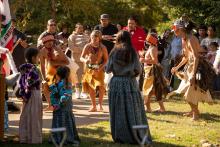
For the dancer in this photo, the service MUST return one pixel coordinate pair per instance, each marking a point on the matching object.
(154, 82)
(193, 92)
(95, 57)
(51, 57)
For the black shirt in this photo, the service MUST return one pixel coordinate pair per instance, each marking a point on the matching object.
(109, 30)
(19, 50)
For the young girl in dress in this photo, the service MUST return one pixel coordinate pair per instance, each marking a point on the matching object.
(30, 126)
(61, 100)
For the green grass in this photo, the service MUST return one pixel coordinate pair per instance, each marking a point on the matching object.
(170, 129)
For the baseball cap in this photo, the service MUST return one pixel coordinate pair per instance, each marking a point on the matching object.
(104, 16)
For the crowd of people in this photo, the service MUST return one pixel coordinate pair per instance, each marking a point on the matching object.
(129, 64)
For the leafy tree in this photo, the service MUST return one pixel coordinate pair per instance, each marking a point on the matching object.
(200, 11)
(32, 15)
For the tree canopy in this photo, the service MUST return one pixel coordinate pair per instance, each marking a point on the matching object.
(32, 15)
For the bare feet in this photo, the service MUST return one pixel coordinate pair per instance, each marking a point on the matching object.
(101, 108)
(188, 114)
(160, 110)
(48, 108)
(195, 115)
(92, 109)
(148, 110)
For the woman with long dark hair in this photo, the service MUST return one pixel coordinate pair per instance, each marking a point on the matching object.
(193, 88)
(125, 101)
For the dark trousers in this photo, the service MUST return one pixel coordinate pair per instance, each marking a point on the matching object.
(217, 83)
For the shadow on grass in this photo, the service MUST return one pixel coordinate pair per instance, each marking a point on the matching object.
(210, 117)
(162, 144)
(98, 131)
(203, 116)
(86, 140)
(99, 141)
(168, 113)
(160, 120)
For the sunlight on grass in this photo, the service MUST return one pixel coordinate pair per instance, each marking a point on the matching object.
(170, 129)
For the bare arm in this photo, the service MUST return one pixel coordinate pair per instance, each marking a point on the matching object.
(105, 58)
(42, 64)
(154, 56)
(60, 58)
(182, 62)
(153, 59)
(83, 55)
(194, 45)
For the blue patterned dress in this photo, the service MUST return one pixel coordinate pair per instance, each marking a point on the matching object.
(125, 101)
(61, 98)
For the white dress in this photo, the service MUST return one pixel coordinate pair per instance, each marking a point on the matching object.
(192, 93)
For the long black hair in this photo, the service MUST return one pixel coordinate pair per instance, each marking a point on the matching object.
(30, 53)
(64, 72)
(123, 47)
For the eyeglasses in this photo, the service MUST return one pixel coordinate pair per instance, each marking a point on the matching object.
(52, 24)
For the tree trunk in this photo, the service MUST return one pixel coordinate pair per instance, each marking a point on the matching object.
(53, 9)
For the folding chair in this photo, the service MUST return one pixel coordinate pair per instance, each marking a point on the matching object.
(144, 140)
(58, 130)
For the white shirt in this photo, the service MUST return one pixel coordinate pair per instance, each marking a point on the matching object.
(206, 42)
(216, 63)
